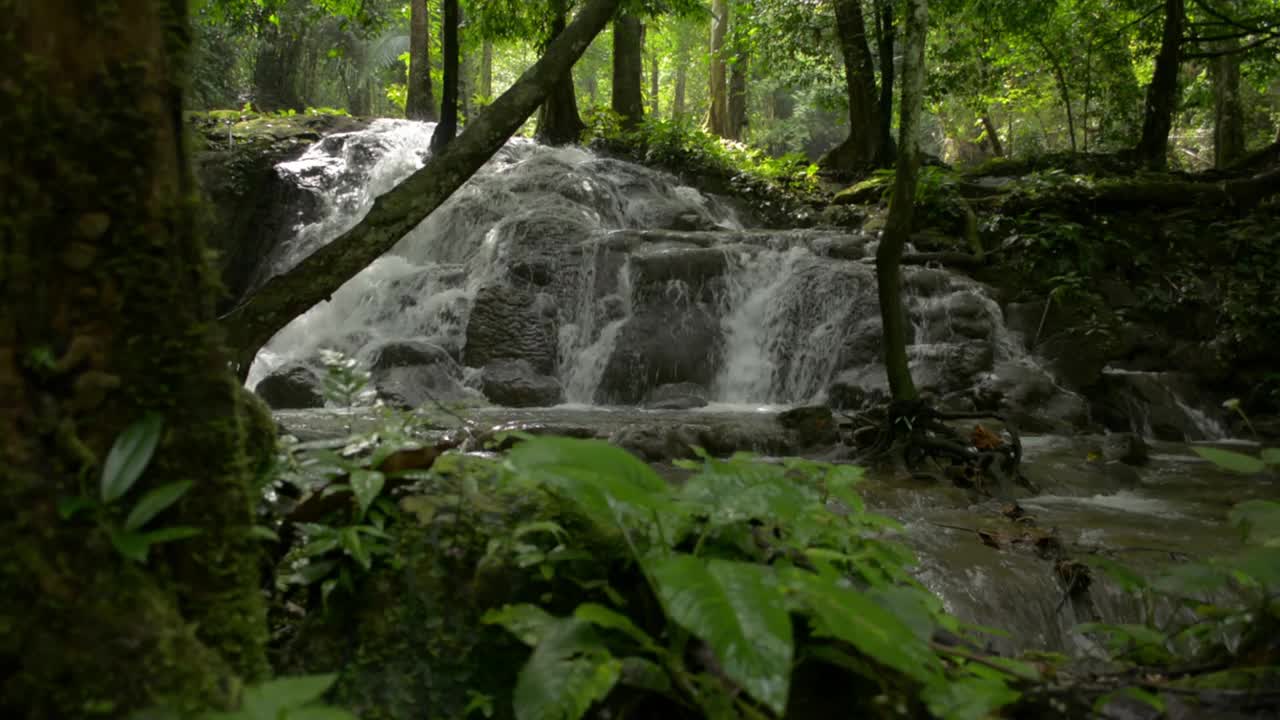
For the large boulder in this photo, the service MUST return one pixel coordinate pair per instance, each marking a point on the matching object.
(677, 396)
(660, 443)
(294, 386)
(948, 367)
(813, 425)
(516, 383)
(512, 323)
(662, 345)
(413, 373)
(1030, 398)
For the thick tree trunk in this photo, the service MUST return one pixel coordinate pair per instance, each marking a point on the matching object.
(1162, 94)
(628, 69)
(447, 130)
(738, 98)
(718, 87)
(993, 135)
(888, 36)
(421, 101)
(902, 205)
(862, 149)
(395, 213)
(275, 81)
(1228, 109)
(107, 300)
(558, 121)
(655, 84)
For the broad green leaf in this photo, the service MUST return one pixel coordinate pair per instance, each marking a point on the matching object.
(1258, 519)
(268, 700)
(1149, 699)
(529, 623)
(569, 671)
(1271, 456)
(645, 674)
(69, 507)
(319, 713)
(131, 545)
(1233, 461)
(968, 698)
(739, 490)
(355, 547)
(1191, 580)
(738, 609)
(262, 532)
(1128, 580)
(601, 616)
(129, 456)
(367, 485)
(154, 503)
(1260, 563)
(172, 534)
(848, 615)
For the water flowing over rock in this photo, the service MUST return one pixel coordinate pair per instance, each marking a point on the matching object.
(613, 280)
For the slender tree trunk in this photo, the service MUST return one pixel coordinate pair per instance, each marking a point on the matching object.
(1162, 94)
(738, 97)
(395, 213)
(682, 74)
(275, 80)
(862, 148)
(559, 122)
(1228, 110)
(1064, 89)
(655, 84)
(486, 71)
(902, 206)
(718, 88)
(888, 36)
(448, 127)
(421, 101)
(628, 69)
(993, 135)
(108, 315)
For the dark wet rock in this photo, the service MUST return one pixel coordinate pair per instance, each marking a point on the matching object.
(413, 373)
(963, 315)
(946, 367)
(677, 396)
(1153, 404)
(294, 386)
(509, 323)
(659, 346)
(858, 388)
(1031, 400)
(863, 344)
(516, 383)
(1127, 448)
(501, 438)
(1077, 358)
(813, 425)
(660, 443)
(692, 221)
(927, 281)
(661, 264)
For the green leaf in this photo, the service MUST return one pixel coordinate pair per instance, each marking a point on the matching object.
(569, 670)
(1258, 519)
(367, 485)
(133, 546)
(171, 534)
(264, 533)
(601, 616)
(645, 674)
(1149, 699)
(1233, 461)
(529, 623)
(738, 609)
(268, 700)
(129, 456)
(969, 698)
(848, 615)
(154, 503)
(1271, 456)
(69, 507)
(319, 713)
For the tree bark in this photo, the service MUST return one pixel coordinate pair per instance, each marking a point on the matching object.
(447, 130)
(1228, 109)
(718, 87)
(682, 75)
(1162, 94)
(275, 81)
(862, 149)
(1064, 89)
(655, 84)
(285, 297)
(738, 97)
(421, 101)
(993, 135)
(486, 71)
(888, 36)
(902, 205)
(107, 298)
(558, 121)
(628, 69)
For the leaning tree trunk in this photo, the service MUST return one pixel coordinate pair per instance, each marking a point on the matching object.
(902, 205)
(718, 88)
(628, 69)
(420, 103)
(738, 97)
(447, 130)
(558, 121)
(395, 213)
(1228, 109)
(107, 298)
(1162, 94)
(862, 148)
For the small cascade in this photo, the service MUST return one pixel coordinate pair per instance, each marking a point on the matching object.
(1158, 405)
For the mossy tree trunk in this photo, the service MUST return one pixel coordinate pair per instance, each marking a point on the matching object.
(1228, 107)
(863, 148)
(108, 298)
(718, 87)
(558, 120)
(887, 38)
(447, 130)
(738, 97)
(628, 69)
(420, 104)
(285, 297)
(1162, 93)
(902, 206)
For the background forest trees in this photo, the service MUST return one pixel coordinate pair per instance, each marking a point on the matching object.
(1192, 83)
